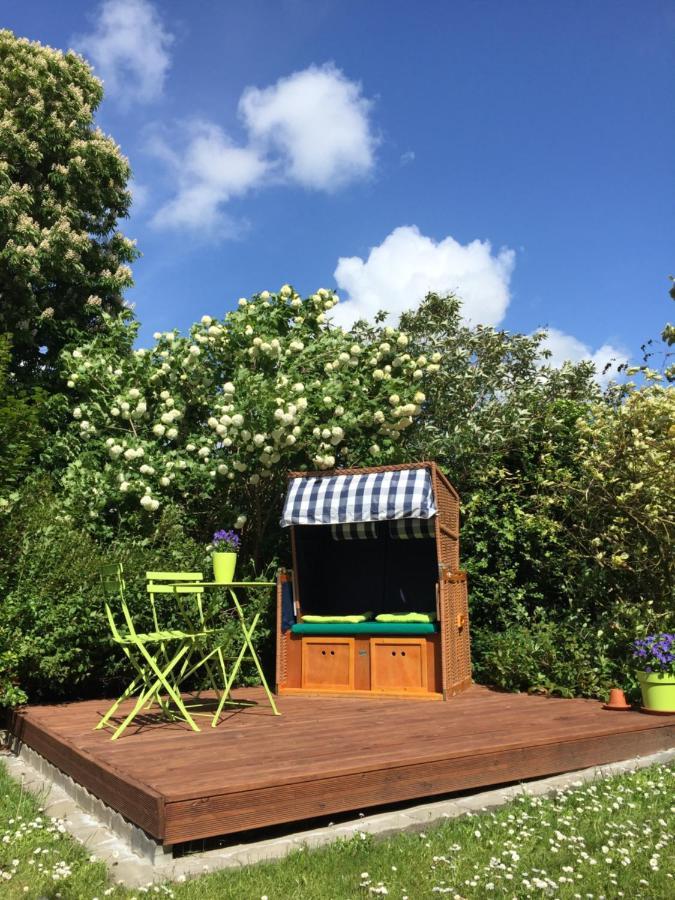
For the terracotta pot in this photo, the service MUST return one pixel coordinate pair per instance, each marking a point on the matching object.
(617, 700)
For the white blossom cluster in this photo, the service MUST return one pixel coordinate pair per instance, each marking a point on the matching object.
(238, 402)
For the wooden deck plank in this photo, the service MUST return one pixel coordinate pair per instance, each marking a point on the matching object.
(327, 755)
(234, 812)
(369, 751)
(286, 746)
(137, 801)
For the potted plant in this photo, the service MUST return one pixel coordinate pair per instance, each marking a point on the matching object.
(656, 653)
(225, 548)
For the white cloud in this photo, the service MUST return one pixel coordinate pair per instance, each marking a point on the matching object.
(566, 347)
(311, 128)
(407, 265)
(319, 121)
(130, 50)
(209, 171)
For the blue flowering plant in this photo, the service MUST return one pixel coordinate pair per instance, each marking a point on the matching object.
(226, 542)
(656, 653)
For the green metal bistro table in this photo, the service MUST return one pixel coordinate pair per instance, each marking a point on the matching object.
(207, 615)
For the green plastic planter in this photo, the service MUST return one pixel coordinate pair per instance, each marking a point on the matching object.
(658, 691)
(224, 565)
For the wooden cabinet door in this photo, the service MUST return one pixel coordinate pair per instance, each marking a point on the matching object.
(398, 665)
(328, 663)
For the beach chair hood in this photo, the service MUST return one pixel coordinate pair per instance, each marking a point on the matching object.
(366, 497)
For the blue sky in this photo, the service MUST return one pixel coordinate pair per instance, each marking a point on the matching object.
(521, 153)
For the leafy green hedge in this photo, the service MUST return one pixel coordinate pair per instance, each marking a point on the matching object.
(54, 638)
(567, 522)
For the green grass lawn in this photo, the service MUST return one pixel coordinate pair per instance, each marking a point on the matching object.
(612, 838)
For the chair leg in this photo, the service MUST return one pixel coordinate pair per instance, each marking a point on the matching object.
(201, 662)
(184, 673)
(128, 691)
(205, 661)
(162, 677)
(141, 678)
(142, 699)
(160, 681)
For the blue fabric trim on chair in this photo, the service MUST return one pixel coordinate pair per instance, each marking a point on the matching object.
(287, 611)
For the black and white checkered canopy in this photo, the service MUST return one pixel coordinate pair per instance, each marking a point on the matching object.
(372, 497)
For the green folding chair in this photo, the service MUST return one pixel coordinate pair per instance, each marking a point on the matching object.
(192, 612)
(149, 655)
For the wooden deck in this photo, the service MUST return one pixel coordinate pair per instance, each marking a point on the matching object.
(327, 755)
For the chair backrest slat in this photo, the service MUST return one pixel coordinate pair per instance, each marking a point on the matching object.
(154, 585)
(174, 576)
(112, 581)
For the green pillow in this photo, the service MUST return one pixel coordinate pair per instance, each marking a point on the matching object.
(406, 617)
(350, 620)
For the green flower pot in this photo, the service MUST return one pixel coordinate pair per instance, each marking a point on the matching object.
(224, 565)
(658, 691)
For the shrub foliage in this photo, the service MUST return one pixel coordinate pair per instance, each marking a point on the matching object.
(567, 504)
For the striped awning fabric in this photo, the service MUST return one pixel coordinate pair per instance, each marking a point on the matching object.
(371, 497)
(412, 528)
(354, 531)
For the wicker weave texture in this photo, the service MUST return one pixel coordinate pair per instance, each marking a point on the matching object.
(455, 644)
(447, 526)
(282, 639)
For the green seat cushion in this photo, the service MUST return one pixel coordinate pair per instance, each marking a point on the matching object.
(351, 620)
(365, 628)
(406, 617)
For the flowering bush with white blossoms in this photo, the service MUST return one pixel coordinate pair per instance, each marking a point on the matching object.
(221, 415)
(63, 188)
